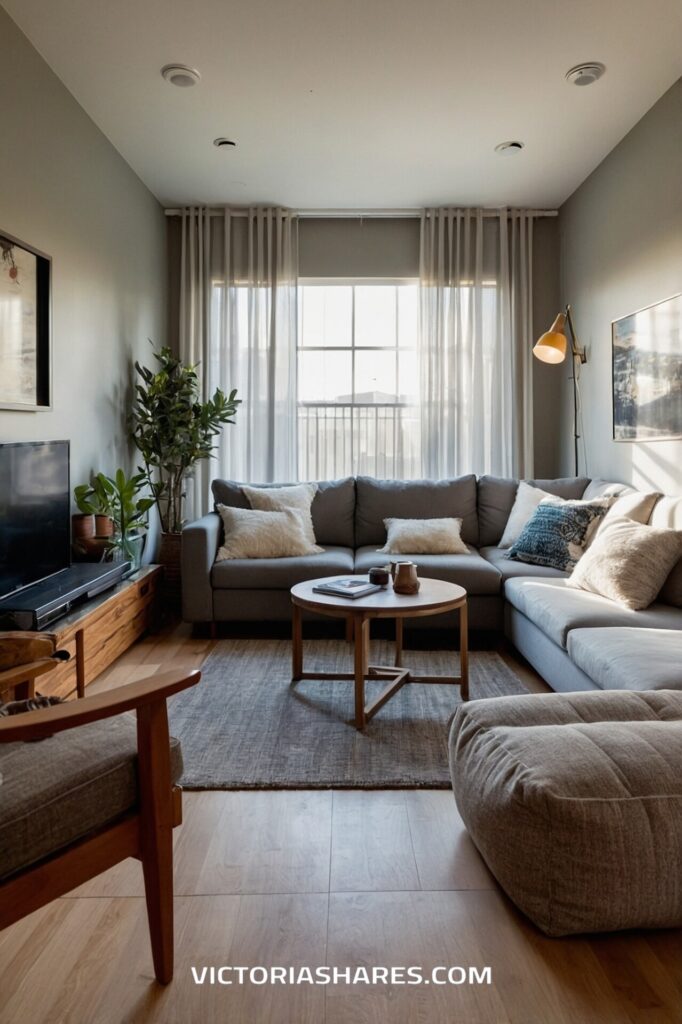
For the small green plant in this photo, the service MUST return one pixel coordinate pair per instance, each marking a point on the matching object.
(118, 498)
(93, 499)
(174, 430)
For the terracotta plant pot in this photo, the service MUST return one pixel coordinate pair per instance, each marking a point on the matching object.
(82, 527)
(104, 526)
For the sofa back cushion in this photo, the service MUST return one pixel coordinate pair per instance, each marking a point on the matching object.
(377, 500)
(332, 509)
(606, 489)
(667, 513)
(496, 496)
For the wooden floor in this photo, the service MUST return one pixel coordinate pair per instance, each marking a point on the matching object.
(342, 878)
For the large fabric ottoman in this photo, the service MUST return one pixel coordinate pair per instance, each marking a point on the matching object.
(575, 803)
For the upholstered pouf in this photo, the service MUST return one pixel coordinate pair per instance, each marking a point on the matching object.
(575, 803)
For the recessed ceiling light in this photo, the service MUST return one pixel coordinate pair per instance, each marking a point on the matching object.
(222, 141)
(509, 147)
(180, 75)
(585, 74)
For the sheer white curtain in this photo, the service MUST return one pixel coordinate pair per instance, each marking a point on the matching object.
(475, 321)
(238, 319)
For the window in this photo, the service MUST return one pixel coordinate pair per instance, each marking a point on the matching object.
(358, 379)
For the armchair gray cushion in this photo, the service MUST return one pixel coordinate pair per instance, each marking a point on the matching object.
(377, 500)
(60, 789)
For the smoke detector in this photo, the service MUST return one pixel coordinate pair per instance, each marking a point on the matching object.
(508, 148)
(181, 75)
(585, 74)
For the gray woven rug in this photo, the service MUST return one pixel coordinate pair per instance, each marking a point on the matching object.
(246, 726)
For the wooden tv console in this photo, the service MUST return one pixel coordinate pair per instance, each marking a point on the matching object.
(100, 630)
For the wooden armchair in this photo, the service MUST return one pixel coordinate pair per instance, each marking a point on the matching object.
(106, 797)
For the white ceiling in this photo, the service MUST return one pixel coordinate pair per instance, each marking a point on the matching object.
(360, 103)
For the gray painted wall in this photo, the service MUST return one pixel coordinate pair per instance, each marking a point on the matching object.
(621, 250)
(65, 190)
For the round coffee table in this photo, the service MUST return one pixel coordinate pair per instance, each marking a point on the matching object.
(434, 597)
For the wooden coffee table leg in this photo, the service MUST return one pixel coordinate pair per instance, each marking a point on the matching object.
(296, 644)
(464, 651)
(361, 626)
(398, 642)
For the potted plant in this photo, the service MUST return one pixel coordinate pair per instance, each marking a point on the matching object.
(174, 430)
(128, 512)
(94, 505)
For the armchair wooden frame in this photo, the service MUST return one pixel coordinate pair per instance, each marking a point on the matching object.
(145, 833)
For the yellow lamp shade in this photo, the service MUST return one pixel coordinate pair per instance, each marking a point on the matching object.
(551, 346)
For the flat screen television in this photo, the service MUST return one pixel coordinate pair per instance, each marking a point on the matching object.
(35, 512)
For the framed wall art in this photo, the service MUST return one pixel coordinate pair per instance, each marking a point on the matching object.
(647, 373)
(25, 327)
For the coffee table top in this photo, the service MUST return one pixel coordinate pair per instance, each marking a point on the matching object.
(434, 596)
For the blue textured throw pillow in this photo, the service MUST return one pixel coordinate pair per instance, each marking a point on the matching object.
(558, 532)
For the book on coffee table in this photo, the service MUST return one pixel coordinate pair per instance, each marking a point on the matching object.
(351, 588)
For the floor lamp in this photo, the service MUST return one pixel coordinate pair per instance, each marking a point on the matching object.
(552, 347)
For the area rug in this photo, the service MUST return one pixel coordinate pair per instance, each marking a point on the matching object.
(246, 726)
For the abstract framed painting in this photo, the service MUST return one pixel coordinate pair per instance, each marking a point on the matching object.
(647, 373)
(25, 326)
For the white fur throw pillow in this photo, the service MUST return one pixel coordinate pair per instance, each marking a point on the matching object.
(527, 500)
(424, 537)
(251, 533)
(628, 562)
(298, 498)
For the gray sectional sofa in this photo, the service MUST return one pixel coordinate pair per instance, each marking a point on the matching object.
(576, 640)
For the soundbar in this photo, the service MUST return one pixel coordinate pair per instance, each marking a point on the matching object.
(37, 606)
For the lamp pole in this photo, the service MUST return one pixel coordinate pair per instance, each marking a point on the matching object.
(579, 358)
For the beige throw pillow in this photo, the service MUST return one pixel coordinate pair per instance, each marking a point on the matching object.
(298, 498)
(635, 505)
(424, 537)
(251, 533)
(628, 562)
(527, 500)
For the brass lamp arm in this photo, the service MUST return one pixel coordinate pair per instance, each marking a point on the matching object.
(576, 348)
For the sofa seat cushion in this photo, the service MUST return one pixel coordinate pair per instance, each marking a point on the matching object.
(557, 609)
(626, 658)
(413, 499)
(575, 802)
(499, 557)
(280, 573)
(60, 789)
(470, 571)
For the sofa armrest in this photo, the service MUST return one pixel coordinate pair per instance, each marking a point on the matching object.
(200, 541)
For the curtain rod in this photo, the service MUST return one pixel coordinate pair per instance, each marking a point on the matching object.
(372, 213)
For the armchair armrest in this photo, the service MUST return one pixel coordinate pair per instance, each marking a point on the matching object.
(36, 725)
(200, 541)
